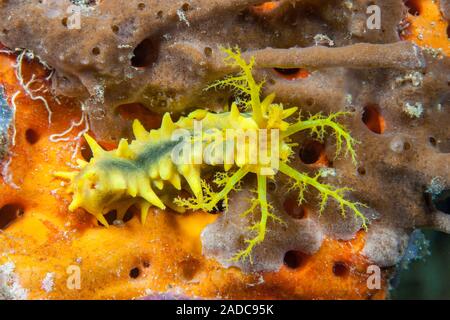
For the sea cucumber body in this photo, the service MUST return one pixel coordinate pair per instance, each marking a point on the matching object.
(138, 172)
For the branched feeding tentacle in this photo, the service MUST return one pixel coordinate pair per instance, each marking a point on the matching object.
(325, 191)
(260, 227)
(318, 124)
(210, 198)
(243, 83)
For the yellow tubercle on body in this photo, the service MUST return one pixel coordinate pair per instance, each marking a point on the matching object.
(145, 172)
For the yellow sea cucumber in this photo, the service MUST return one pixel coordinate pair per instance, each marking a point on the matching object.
(144, 172)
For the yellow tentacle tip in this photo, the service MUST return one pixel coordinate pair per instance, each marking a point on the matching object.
(175, 180)
(195, 183)
(198, 114)
(289, 112)
(102, 220)
(96, 149)
(150, 196)
(267, 102)
(65, 175)
(167, 125)
(82, 163)
(74, 204)
(139, 131)
(158, 184)
(144, 212)
(234, 112)
(123, 149)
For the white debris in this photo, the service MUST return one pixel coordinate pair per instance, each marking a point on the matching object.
(435, 53)
(436, 186)
(10, 288)
(348, 4)
(327, 172)
(48, 282)
(416, 78)
(182, 16)
(99, 93)
(118, 223)
(349, 99)
(414, 110)
(320, 39)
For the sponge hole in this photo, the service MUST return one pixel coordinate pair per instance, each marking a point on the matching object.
(373, 119)
(413, 7)
(85, 150)
(293, 209)
(9, 213)
(111, 216)
(146, 53)
(312, 152)
(295, 259)
(135, 273)
(340, 269)
(32, 136)
(133, 111)
(442, 201)
(292, 73)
